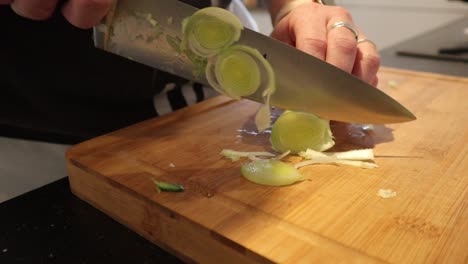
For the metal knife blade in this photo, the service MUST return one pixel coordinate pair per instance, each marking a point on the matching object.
(147, 31)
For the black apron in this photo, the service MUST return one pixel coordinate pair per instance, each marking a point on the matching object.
(56, 86)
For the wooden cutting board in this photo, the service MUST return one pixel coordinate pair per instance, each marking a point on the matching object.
(335, 216)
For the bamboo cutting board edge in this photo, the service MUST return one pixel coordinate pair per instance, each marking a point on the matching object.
(96, 185)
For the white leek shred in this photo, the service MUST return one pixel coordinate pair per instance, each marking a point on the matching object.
(360, 154)
(236, 155)
(353, 158)
(280, 157)
(355, 163)
(386, 193)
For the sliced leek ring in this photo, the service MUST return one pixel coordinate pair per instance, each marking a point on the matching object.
(297, 131)
(210, 30)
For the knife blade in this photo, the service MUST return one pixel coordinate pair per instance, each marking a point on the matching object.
(148, 32)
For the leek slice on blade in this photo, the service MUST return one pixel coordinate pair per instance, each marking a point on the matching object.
(238, 73)
(271, 172)
(210, 30)
(241, 71)
(297, 131)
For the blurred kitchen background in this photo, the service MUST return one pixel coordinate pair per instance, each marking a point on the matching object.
(26, 165)
(386, 22)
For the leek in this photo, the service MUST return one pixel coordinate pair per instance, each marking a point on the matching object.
(297, 131)
(359, 154)
(236, 71)
(167, 187)
(271, 172)
(236, 155)
(210, 30)
(357, 158)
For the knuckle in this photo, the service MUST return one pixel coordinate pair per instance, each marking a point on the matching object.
(371, 60)
(346, 46)
(341, 12)
(314, 42)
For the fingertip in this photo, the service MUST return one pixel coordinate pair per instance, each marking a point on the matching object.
(35, 10)
(85, 14)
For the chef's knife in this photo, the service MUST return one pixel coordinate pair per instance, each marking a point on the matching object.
(147, 31)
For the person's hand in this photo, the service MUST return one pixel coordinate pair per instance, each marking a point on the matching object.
(80, 13)
(309, 27)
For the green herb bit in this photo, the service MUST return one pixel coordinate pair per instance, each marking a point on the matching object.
(140, 36)
(198, 62)
(174, 42)
(154, 36)
(167, 187)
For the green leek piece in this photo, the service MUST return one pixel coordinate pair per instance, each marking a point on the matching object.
(210, 30)
(297, 131)
(167, 187)
(271, 172)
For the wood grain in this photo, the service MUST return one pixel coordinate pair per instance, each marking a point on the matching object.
(335, 216)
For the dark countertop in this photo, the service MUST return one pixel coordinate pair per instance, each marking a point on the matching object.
(51, 225)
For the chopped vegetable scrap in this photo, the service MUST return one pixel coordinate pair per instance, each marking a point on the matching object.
(273, 172)
(386, 193)
(167, 187)
(353, 158)
(237, 155)
(146, 16)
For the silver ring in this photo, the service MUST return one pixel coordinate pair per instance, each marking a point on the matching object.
(362, 40)
(346, 25)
